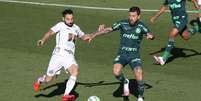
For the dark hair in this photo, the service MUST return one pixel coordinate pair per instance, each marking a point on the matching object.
(67, 11)
(135, 9)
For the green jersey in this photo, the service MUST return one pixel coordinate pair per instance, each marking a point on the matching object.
(177, 8)
(130, 36)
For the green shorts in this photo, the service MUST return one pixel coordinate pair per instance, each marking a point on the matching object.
(181, 23)
(134, 62)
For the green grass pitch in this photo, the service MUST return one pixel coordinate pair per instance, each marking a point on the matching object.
(21, 62)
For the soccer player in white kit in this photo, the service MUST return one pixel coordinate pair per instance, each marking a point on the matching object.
(63, 54)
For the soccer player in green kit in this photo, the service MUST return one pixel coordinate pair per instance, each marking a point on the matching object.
(180, 21)
(131, 35)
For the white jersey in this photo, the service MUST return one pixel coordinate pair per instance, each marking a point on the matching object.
(65, 37)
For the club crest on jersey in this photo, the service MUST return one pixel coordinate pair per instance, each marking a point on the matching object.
(138, 30)
(179, 0)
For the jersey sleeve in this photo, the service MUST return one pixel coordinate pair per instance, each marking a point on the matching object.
(56, 28)
(165, 2)
(116, 26)
(79, 32)
(145, 29)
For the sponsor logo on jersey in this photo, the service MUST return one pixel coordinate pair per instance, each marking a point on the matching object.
(131, 36)
(129, 49)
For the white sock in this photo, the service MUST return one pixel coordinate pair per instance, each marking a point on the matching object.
(200, 19)
(58, 72)
(41, 79)
(126, 85)
(70, 84)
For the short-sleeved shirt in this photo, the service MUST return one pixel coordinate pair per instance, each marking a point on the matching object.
(178, 12)
(63, 33)
(177, 8)
(130, 36)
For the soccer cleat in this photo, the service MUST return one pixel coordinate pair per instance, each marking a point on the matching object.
(140, 99)
(36, 86)
(126, 88)
(68, 98)
(159, 60)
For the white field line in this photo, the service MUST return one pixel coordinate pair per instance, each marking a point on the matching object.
(78, 6)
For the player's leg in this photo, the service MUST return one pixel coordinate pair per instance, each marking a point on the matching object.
(136, 65)
(172, 35)
(140, 82)
(53, 67)
(119, 63)
(185, 34)
(74, 71)
(71, 65)
(117, 71)
(188, 33)
(199, 15)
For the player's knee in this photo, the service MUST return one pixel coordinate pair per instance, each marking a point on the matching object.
(138, 73)
(173, 33)
(117, 70)
(74, 71)
(185, 37)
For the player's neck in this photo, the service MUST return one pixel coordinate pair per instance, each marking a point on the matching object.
(133, 24)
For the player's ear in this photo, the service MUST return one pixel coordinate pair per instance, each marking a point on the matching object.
(63, 19)
(139, 16)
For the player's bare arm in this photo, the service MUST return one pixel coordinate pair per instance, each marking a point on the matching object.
(101, 31)
(86, 38)
(195, 4)
(161, 11)
(42, 41)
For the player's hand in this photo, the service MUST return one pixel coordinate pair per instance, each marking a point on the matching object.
(40, 43)
(87, 38)
(152, 19)
(150, 36)
(101, 28)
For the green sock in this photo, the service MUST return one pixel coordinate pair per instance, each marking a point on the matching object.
(168, 49)
(195, 28)
(140, 88)
(121, 78)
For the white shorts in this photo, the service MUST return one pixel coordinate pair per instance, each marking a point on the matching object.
(57, 62)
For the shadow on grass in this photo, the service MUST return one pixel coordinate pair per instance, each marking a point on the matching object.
(118, 93)
(132, 88)
(178, 53)
(62, 85)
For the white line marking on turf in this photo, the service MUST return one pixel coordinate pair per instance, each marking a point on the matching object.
(79, 6)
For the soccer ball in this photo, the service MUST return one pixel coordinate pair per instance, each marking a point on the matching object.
(93, 98)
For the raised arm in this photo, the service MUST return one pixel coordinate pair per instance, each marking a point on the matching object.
(101, 31)
(195, 4)
(150, 36)
(161, 11)
(44, 39)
